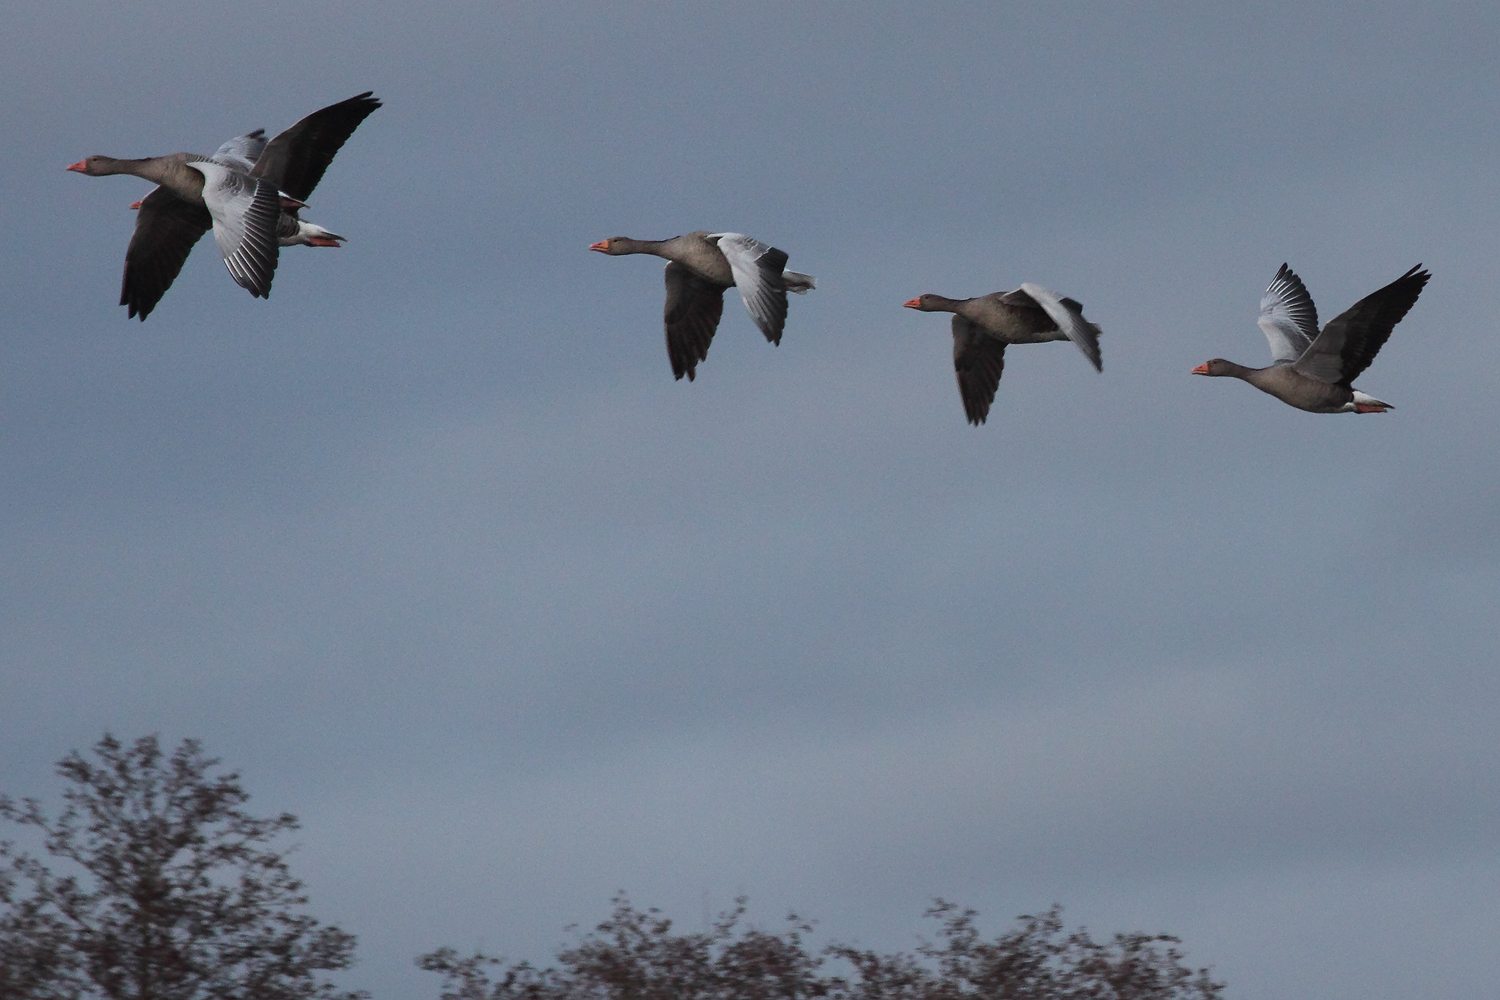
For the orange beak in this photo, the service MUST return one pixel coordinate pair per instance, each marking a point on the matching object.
(79, 167)
(913, 304)
(135, 205)
(602, 246)
(1201, 369)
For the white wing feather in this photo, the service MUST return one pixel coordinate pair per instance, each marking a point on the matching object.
(242, 151)
(1288, 317)
(245, 213)
(762, 288)
(1077, 329)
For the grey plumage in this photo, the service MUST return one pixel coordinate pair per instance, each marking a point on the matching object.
(985, 325)
(701, 266)
(1315, 371)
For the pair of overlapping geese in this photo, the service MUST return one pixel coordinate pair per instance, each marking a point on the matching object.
(251, 191)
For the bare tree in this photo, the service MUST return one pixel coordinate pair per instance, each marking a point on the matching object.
(635, 956)
(1035, 961)
(168, 890)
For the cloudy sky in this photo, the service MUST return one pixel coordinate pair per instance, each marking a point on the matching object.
(434, 551)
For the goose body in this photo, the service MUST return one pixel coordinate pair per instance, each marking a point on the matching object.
(1315, 370)
(293, 230)
(701, 266)
(241, 192)
(984, 326)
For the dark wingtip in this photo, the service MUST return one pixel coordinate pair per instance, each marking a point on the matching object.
(132, 310)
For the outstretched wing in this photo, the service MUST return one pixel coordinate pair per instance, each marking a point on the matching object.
(978, 361)
(165, 231)
(1351, 339)
(245, 213)
(295, 160)
(1068, 315)
(694, 305)
(1288, 317)
(757, 273)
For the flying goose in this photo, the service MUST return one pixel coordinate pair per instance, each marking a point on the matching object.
(241, 192)
(983, 326)
(700, 267)
(1315, 371)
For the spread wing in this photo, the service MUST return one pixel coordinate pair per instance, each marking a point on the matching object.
(295, 160)
(694, 305)
(757, 273)
(165, 231)
(1068, 315)
(242, 151)
(245, 215)
(978, 360)
(1351, 340)
(1288, 317)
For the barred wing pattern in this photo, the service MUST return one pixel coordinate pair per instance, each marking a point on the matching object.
(1288, 317)
(245, 215)
(757, 273)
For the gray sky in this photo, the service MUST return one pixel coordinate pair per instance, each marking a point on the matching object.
(433, 550)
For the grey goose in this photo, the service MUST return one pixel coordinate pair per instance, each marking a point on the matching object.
(984, 326)
(241, 192)
(701, 266)
(1315, 371)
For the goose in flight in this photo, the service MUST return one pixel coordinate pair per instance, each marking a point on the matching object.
(241, 192)
(984, 326)
(701, 266)
(1315, 371)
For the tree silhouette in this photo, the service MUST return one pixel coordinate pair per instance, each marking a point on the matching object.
(634, 955)
(170, 891)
